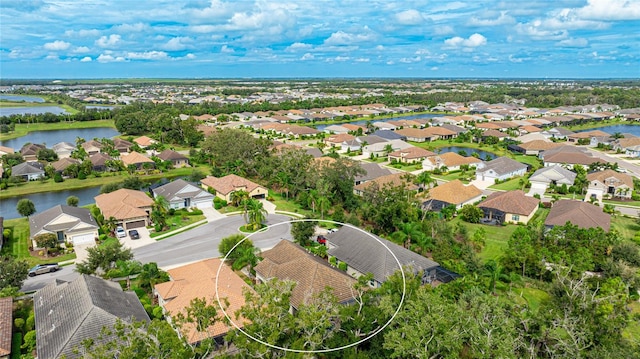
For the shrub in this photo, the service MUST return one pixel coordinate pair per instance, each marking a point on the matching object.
(342, 266)
(19, 323)
(333, 261)
(29, 341)
(6, 233)
(194, 212)
(57, 178)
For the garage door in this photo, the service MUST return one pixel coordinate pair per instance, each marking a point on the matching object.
(135, 224)
(83, 239)
(203, 204)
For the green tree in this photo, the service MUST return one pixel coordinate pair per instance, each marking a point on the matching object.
(101, 259)
(256, 214)
(203, 316)
(424, 180)
(73, 201)
(302, 232)
(150, 275)
(13, 272)
(46, 241)
(25, 207)
(521, 251)
(159, 212)
(470, 213)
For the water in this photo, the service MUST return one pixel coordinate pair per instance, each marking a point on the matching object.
(8, 111)
(100, 107)
(469, 151)
(632, 129)
(46, 200)
(50, 138)
(21, 98)
(364, 122)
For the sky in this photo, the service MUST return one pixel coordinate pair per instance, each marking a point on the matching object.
(57, 39)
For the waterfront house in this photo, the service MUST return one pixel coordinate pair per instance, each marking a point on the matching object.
(29, 171)
(182, 194)
(225, 186)
(70, 224)
(129, 207)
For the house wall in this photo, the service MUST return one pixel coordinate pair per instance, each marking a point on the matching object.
(515, 218)
(259, 192)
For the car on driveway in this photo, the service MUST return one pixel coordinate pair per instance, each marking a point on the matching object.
(43, 268)
(134, 234)
(120, 233)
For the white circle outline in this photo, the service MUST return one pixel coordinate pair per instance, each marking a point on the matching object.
(404, 290)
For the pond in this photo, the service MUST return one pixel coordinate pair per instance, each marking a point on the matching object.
(99, 107)
(8, 111)
(483, 155)
(46, 200)
(21, 98)
(50, 138)
(611, 129)
(364, 122)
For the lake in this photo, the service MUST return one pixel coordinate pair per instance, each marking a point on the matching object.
(50, 138)
(46, 200)
(21, 98)
(99, 107)
(469, 151)
(8, 111)
(632, 129)
(364, 122)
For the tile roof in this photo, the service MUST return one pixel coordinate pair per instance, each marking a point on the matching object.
(581, 214)
(372, 170)
(144, 141)
(511, 202)
(31, 149)
(565, 149)
(412, 153)
(503, 165)
(63, 163)
(26, 168)
(123, 204)
(454, 192)
(67, 313)
(6, 325)
(198, 280)
(229, 183)
(99, 159)
(168, 155)
(389, 135)
(180, 189)
(368, 255)
(589, 134)
(289, 261)
(452, 159)
(620, 178)
(553, 173)
(339, 138)
(570, 158)
(539, 145)
(400, 179)
(494, 133)
(79, 217)
(133, 158)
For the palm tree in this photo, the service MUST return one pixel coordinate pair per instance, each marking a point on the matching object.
(312, 199)
(159, 210)
(256, 214)
(424, 179)
(240, 197)
(110, 225)
(493, 271)
(247, 255)
(407, 233)
(323, 204)
(388, 149)
(151, 275)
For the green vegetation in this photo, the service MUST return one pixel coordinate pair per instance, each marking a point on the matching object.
(178, 220)
(22, 129)
(18, 244)
(627, 227)
(509, 185)
(533, 297)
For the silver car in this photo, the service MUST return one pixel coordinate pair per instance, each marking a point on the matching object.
(43, 268)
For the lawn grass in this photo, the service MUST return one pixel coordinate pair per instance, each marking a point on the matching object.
(18, 245)
(627, 227)
(22, 129)
(496, 238)
(178, 221)
(282, 204)
(406, 166)
(632, 331)
(454, 175)
(534, 297)
(510, 185)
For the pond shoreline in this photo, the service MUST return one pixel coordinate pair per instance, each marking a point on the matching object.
(23, 129)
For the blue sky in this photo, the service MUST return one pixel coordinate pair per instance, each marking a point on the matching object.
(319, 38)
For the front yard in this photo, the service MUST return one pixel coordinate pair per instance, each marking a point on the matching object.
(179, 220)
(18, 244)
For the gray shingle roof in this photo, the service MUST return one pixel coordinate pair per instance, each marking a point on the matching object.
(553, 173)
(503, 165)
(41, 221)
(372, 171)
(180, 189)
(582, 214)
(67, 313)
(366, 255)
(26, 168)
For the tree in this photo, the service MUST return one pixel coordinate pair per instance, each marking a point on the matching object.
(47, 155)
(424, 179)
(302, 232)
(470, 213)
(203, 317)
(246, 256)
(25, 207)
(151, 275)
(245, 253)
(102, 258)
(159, 212)
(494, 271)
(46, 241)
(133, 182)
(13, 272)
(73, 201)
(256, 214)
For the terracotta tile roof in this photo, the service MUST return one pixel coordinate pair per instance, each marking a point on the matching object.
(452, 159)
(581, 214)
(352, 127)
(198, 280)
(393, 180)
(229, 183)
(144, 141)
(539, 145)
(494, 133)
(135, 158)
(511, 202)
(570, 158)
(123, 204)
(454, 192)
(488, 126)
(6, 325)
(289, 261)
(412, 153)
(168, 155)
(6, 149)
(439, 131)
(340, 138)
(531, 129)
(628, 142)
(589, 134)
(620, 178)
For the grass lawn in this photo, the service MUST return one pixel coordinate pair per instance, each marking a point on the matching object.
(282, 204)
(22, 128)
(532, 296)
(627, 227)
(632, 331)
(454, 175)
(178, 221)
(406, 167)
(496, 238)
(623, 203)
(510, 185)
(18, 245)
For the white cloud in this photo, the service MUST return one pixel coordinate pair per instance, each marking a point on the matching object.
(611, 10)
(474, 40)
(110, 41)
(82, 33)
(380, 48)
(435, 68)
(409, 17)
(147, 55)
(408, 60)
(537, 31)
(307, 56)
(503, 19)
(344, 38)
(110, 58)
(127, 28)
(86, 59)
(81, 50)
(443, 30)
(190, 56)
(57, 45)
(226, 49)
(573, 42)
(177, 44)
(298, 46)
(361, 59)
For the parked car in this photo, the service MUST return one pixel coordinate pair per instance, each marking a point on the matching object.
(134, 234)
(321, 239)
(43, 268)
(120, 233)
(332, 230)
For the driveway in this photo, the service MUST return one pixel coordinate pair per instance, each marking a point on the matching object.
(145, 239)
(482, 184)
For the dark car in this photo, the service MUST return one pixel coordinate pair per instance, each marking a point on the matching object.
(134, 234)
(43, 268)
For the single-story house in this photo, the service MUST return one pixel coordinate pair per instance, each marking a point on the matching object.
(579, 213)
(288, 261)
(410, 155)
(337, 139)
(336, 129)
(182, 194)
(509, 207)
(389, 135)
(92, 147)
(380, 148)
(63, 149)
(29, 151)
(68, 313)
(569, 159)
(225, 186)
(129, 207)
(177, 159)
(137, 159)
(451, 160)
(371, 171)
(144, 141)
(451, 193)
(401, 179)
(501, 168)
(494, 133)
(198, 280)
(417, 135)
(122, 146)
(587, 135)
(70, 224)
(535, 147)
(99, 161)
(4, 150)
(609, 182)
(558, 133)
(6, 326)
(554, 175)
(30, 171)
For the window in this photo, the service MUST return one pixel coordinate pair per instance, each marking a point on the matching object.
(515, 217)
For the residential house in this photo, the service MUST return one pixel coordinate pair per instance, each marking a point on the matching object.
(451, 160)
(338, 139)
(70, 224)
(493, 133)
(198, 281)
(144, 141)
(99, 161)
(569, 158)
(129, 207)
(371, 171)
(509, 207)
(609, 183)
(410, 155)
(553, 175)
(182, 194)
(4, 150)
(63, 149)
(417, 135)
(29, 151)
(501, 168)
(382, 148)
(559, 133)
(122, 146)
(389, 135)
(587, 136)
(336, 129)
(6, 326)
(92, 147)
(535, 147)
(177, 159)
(30, 171)
(225, 186)
(62, 164)
(629, 145)
(579, 213)
(366, 253)
(288, 261)
(138, 160)
(401, 179)
(453, 193)
(69, 313)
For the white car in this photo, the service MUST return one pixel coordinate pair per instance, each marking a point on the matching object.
(120, 233)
